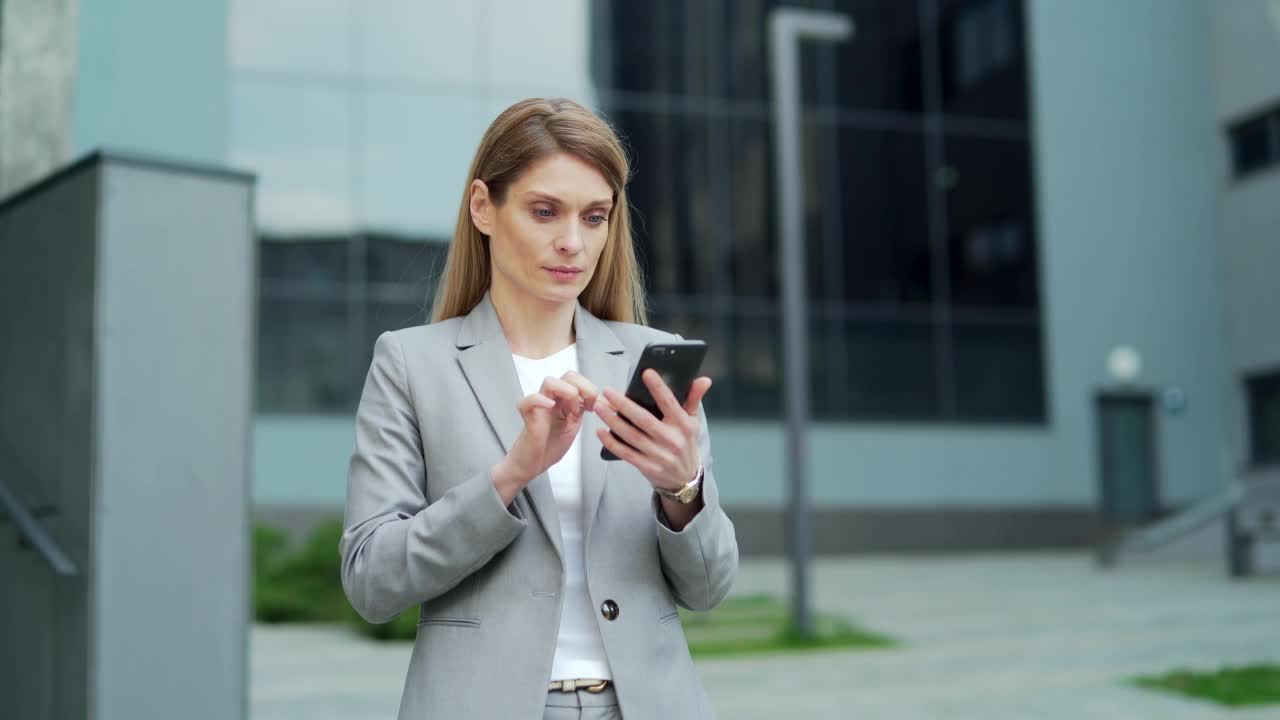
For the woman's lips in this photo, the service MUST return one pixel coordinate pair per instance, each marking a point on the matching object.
(563, 275)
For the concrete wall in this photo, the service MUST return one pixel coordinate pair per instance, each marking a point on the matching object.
(1246, 53)
(1246, 65)
(1126, 185)
(175, 329)
(48, 284)
(152, 77)
(127, 74)
(127, 293)
(37, 75)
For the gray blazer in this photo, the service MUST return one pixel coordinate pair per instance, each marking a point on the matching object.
(424, 526)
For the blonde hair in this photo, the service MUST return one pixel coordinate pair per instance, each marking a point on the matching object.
(523, 134)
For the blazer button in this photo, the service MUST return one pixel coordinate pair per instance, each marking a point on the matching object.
(609, 609)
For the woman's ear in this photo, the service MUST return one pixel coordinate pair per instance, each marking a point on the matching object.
(481, 206)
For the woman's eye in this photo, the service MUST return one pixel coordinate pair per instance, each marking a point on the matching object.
(596, 219)
(543, 212)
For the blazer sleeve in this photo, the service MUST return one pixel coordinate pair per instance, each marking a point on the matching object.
(701, 561)
(397, 549)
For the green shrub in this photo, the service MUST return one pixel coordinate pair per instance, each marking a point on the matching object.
(403, 627)
(303, 585)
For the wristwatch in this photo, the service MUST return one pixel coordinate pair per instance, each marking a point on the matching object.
(687, 493)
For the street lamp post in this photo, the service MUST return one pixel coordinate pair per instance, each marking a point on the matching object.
(787, 27)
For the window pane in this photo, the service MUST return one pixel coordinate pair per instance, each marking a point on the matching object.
(407, 39)
(302, 356)
(384, 315)
(318, 264)
(991, 234)
(1264, 418)
(746, 46)
(670, 193)
(297, 138)
(304, 36)
(821, 204)
(828, 362)
(657, 47)
(413, 179)
(753, 254)
(890, 368)
(403, 261)
(843, 185)
(998, 369)
(757, 361)
(1252, 146)
(983, 58)
(533, 49)
(884, 217)
(879, 67)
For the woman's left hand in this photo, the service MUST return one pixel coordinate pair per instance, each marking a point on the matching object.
(664, 450)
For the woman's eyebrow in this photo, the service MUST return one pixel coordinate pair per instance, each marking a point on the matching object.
(538, 195)
(548, 197)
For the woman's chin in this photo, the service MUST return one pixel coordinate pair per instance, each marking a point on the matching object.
(559, 293)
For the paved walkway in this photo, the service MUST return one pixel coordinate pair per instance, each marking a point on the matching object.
(987, 637)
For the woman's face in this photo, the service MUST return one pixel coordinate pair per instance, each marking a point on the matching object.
(549, 231)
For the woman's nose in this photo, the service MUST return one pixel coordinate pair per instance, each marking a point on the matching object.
(570, 242)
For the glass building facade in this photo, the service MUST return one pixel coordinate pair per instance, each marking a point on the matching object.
(998, 194)
(920, 205)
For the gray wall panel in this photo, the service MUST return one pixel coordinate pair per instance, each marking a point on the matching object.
(127, 291)
(175, 324)
(47, 259)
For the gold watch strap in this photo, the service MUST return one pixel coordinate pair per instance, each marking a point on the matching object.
(678, 496)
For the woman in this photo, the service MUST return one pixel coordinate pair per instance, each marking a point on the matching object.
(547, 578)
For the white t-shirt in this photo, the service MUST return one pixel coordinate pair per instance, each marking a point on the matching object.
(579, 647)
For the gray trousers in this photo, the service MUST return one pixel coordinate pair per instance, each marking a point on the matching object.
(582, 705)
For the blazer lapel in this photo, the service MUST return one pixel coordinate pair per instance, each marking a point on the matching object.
(603, 361)
(486, 360)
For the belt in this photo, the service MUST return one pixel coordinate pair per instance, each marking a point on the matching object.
(590, 685)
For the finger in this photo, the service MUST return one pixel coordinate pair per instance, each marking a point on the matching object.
(620, 426)
(587, 390)
(564, 393)
(643, 419)
(696, 392)
(534, 400)
(627, 453)
(662, 394)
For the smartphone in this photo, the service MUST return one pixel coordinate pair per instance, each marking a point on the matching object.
(676, 362)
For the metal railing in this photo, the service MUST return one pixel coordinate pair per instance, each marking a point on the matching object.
(35, 533)
(1250, 506)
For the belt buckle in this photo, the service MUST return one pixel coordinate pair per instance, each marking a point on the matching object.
(568, 686)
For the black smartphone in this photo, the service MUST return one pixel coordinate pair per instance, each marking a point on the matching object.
(677, 362)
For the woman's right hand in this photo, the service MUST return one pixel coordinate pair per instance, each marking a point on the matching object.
(552, 418)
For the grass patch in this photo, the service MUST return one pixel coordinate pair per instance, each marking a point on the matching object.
(1237, 686)
(755, 624)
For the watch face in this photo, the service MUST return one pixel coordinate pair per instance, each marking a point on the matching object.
(688, 493)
